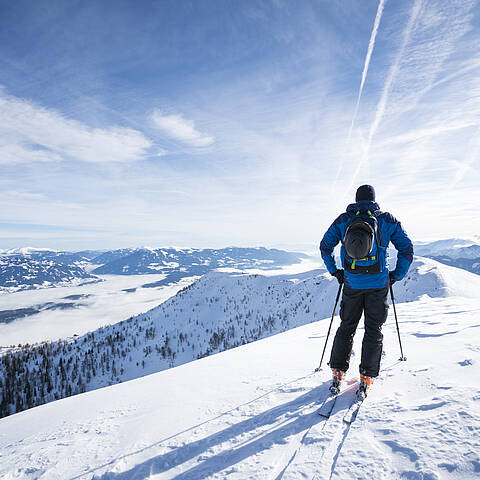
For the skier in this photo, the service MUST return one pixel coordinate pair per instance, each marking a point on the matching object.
(365, 233)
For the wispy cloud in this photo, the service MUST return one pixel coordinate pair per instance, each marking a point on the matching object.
(11, 154)
(471, 65)
(31, 133)
(471, 158)
(428, 131)
(180, 128)
(23, 195)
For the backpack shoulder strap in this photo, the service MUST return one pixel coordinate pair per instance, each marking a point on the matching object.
(377, 214)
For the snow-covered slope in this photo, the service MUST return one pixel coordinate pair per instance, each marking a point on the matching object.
(250, 413)
(432, 278)
(218, 312)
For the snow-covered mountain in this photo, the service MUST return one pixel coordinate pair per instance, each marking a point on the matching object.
(461, 253)
(60, 256)
(26, 272)
(104, 258)
(190, 261)
(218, 312)
(27, 251)
(452, 247)
(251, 412)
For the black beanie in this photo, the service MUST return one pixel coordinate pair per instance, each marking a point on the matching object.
(365, 192)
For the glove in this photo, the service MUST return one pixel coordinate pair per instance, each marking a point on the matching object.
(392, 278)
(339, 276)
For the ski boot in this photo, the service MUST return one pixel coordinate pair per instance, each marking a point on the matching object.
(338, 376)
(365, 383)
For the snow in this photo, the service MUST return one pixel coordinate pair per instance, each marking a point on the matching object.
(250, 412)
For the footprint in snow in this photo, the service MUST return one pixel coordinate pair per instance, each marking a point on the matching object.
(474, 459)
(292, 390)
(450, 467)
(397, 448)
(465, 363)
(431, 406)
(417, 475)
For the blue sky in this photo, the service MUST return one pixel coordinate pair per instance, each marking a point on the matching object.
(219, 123)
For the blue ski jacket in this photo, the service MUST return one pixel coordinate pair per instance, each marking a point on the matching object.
(389, 228)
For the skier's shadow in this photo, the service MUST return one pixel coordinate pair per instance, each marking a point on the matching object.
(293, 422)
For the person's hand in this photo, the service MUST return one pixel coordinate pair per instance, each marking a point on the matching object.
(392, 278)
(339, 276)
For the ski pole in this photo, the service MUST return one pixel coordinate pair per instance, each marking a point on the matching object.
(330, 327)
(402, 357)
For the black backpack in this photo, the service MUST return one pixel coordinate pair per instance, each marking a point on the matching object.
(360, 236)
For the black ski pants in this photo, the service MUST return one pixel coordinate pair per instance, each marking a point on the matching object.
(374, 304)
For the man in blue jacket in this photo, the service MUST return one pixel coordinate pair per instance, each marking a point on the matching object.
(365, 233)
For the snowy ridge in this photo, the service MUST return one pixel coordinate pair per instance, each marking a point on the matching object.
(429, 277)
(218, 312)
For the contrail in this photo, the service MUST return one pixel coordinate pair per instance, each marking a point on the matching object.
(392, 74)
(371, 44)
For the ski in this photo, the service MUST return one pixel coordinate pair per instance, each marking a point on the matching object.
(327, 405)
(352, 412)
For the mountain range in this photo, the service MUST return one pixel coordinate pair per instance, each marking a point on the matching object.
(455, 252)
(30, 268)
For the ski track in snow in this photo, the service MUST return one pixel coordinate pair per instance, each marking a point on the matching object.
(252, 412)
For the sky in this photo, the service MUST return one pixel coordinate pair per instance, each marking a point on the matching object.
(217, 123)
